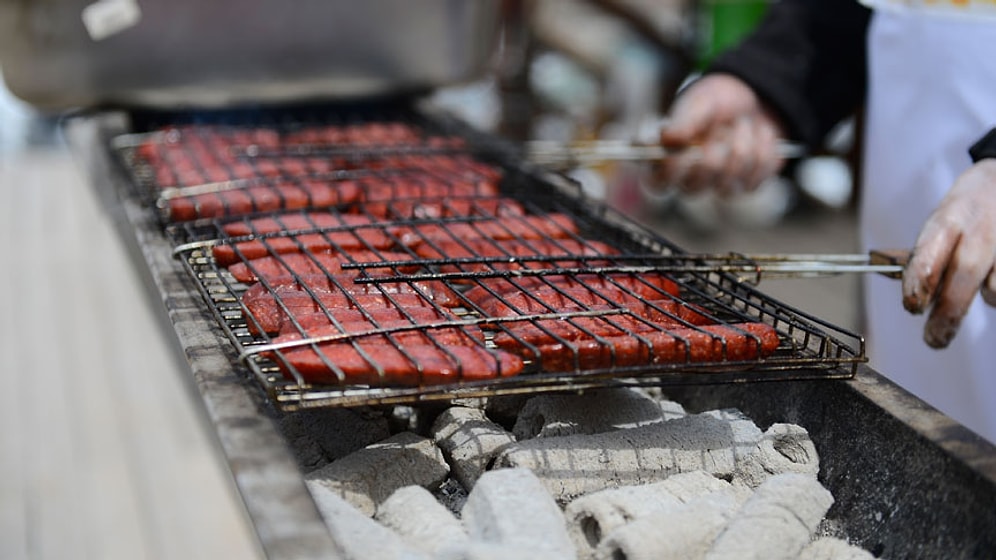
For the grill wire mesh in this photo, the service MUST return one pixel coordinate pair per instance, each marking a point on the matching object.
(465, 271)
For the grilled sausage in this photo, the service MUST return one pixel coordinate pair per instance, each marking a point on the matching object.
(289, 287)
(295, 221)
(308, 323)
(556, 300)
(267, 315)
(712, 343)
(555, 226)
(515, 248)
(666, 314)
(451, 167)
(314, 263)
(358, 234)
(382, 133)
(435, 208)
(648, 286)
(421, 185)
(388, 365)
(403, 333)
(261, 198)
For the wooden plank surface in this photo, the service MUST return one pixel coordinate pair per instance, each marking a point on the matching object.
(103, 450)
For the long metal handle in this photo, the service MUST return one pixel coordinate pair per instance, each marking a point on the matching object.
(751, 267)
(545, 152)
(887, 263)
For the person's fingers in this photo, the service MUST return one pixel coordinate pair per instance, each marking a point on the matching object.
(688, 123)
(955, 255)
(696, 168)
(989, 288)
(967, 269)
(767, 161)
(691, 118)
(930, 258)
(740, 159)
(712, 131)
(670, 172)
(713, 101)
(705, 166)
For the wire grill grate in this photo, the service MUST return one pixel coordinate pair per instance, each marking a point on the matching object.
(406, 237)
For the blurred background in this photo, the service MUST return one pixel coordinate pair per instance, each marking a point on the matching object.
(609, 69)
(104, 448)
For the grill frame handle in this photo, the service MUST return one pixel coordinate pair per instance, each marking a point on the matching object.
(890, 257)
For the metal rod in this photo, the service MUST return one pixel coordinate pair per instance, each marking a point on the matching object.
(348, 151)
(344, 336)
(551, 152)
(757, 265)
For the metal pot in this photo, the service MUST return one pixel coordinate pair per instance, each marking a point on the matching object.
(57, 54)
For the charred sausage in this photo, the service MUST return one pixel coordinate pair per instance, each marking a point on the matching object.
(555, 226)
(388, 365)
(267, 314)
(314, 263)
(435, 208)
(358, 234)
(712, 343)
(308, 323)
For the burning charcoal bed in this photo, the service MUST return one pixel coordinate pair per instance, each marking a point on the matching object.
(386, 311)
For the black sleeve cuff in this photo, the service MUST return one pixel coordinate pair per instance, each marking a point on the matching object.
(984, 148)
(807, 61)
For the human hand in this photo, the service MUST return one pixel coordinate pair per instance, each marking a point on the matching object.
(725, 138)
(955, 255)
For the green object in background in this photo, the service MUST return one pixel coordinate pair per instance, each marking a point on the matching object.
(723, 23)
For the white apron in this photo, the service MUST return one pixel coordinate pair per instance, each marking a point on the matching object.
(932, 93)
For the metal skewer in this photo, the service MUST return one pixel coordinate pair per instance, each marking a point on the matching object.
(546, 152)
(752, 267)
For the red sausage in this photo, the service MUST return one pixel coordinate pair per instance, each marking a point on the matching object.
(551, 300)
(313, 322)
(648, 286)
(714, 343)
(266, 315)
(261, 198)
(434, 208)
(315, 263)
(426, 333)
(387, 365)
(343, 232)
(667, 314)
(552, 226)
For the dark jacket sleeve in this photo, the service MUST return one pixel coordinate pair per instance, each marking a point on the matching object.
(808, 61)
(985, 148)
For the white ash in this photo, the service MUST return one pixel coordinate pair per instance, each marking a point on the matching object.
(414, 513)
(671, 409)
(480, 403)
(683, 532)
(784, 448)
(493, 551)
(725, 444)
(593, 517)
(403, 419)
(368, 476)
(509, 507)
(832, 548)
(358, 536)
(593, 412)
(777, 522)
(677, 486)
(470, 441)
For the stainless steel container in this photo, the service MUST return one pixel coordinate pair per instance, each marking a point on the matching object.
(57, 54)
